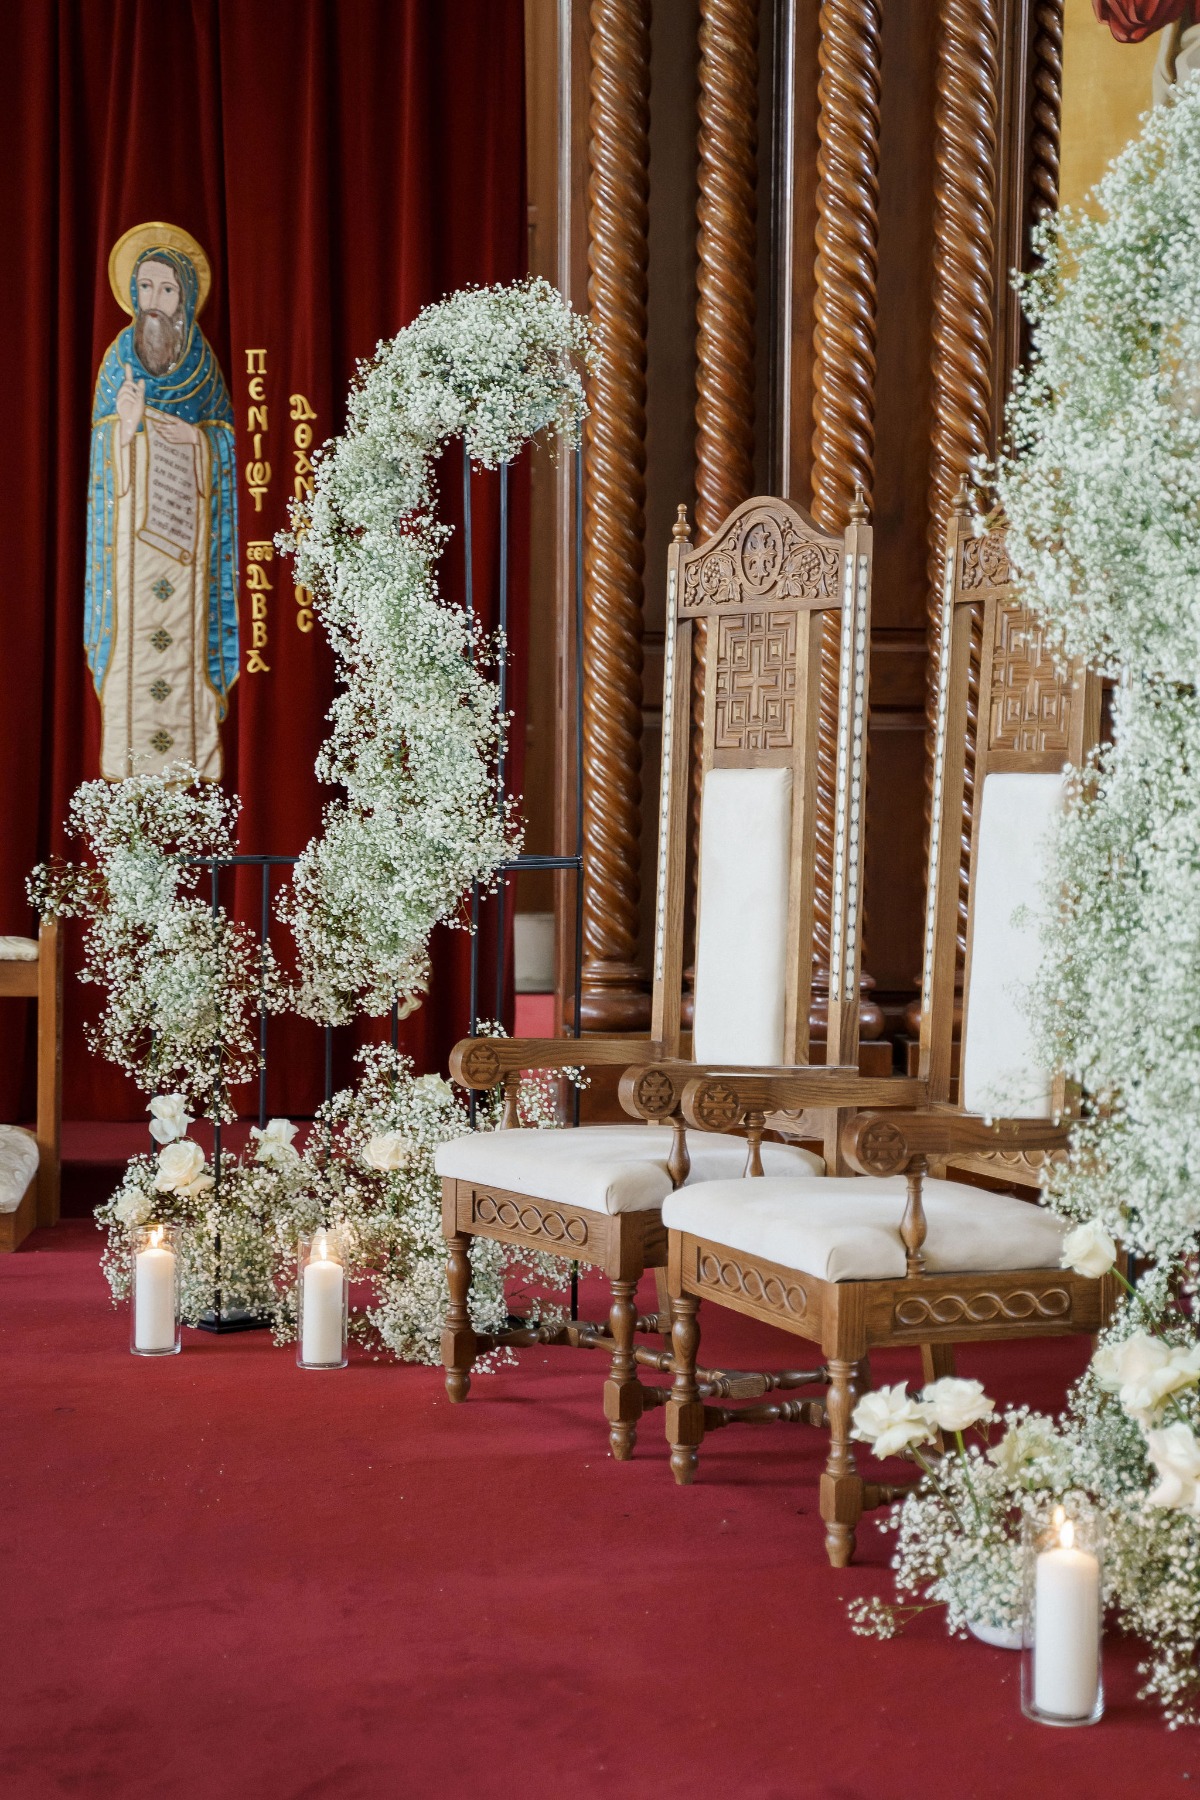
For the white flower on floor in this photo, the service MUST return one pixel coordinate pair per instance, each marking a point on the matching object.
(1089, 1250)
(169, 1118)
(1144, 1372)
(180, 1167)
(1176, 1455)
(275, 1143)
(134, 1208)
(890, 1420)
(392, 1150)
(953, 1403)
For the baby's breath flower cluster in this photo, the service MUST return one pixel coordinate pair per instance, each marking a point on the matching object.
(237, 1236)
(416, 729)
(184, 983)
(370, 1158)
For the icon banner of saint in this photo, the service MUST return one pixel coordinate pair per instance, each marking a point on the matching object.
(160, 616)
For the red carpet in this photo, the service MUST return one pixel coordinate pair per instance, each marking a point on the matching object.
(226, 1577)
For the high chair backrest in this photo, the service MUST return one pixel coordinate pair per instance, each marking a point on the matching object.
(765, 585)
(1033, 717)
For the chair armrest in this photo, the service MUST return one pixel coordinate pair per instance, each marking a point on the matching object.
(724, 1099)
(483, 1062)
(886, 1143)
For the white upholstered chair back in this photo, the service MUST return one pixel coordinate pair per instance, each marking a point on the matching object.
(783, 611)
(998, 786)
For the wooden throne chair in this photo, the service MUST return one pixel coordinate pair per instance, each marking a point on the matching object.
(913, 1256)
(765, 583)
(31, 968)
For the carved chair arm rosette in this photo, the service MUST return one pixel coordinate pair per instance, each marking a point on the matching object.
(654, 1091)
(484, 1062)
(890, 1143)
(728, 1100)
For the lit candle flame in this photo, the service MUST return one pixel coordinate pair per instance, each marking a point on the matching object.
(156, 1236)
(1066, 1534)
(321, 1248)
(1057, 1517)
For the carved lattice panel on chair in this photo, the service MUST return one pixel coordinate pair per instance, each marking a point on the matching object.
(755, 702)
(1030, 702)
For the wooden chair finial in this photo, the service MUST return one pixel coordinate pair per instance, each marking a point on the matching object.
(681, 531)
(859, 511)
(962, 497)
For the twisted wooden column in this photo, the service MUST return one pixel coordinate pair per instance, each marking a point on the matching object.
(1046, 114)
(725, 248)
(614, 996)
(726, 219)
(964, 225)
(844, 368)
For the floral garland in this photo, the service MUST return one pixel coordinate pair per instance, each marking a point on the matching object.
(184, 981)
(1101, 487)
(416, 729)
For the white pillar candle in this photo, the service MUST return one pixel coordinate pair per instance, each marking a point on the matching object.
(321, 1336)
(154, 1297)
(1066, 1626)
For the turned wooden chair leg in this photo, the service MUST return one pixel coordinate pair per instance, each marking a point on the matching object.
(662, 1300)
(458, 1338)
(685, 1409)
(622, 1390)
(841, 1484)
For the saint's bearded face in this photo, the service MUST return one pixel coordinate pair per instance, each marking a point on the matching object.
(158, 331)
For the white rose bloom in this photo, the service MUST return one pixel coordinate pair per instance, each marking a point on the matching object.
(1144, 1372)
(390, 1151)
(1089, 1250)
(179, 1165)
(169, 1118)
(275, 1143)
(134, 1208)
(952, 1403)
(434, 1085)
(890, 1420)
(1176, 1455)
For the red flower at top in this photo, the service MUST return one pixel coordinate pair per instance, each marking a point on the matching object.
(1131, 21)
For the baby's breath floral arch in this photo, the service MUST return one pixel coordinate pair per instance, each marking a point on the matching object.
(416, 727)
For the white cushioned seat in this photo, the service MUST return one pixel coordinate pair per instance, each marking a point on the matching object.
(18, 949)
(18, 1165)
(607, 1168)
(847, 1228)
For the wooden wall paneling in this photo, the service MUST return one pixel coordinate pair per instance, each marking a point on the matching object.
(844, 364)
(965, 206)
(615, 996)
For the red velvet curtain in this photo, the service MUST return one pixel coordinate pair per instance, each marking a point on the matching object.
(342, 162)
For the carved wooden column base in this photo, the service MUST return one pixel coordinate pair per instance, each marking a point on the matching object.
(870, 1018)
(615, 997)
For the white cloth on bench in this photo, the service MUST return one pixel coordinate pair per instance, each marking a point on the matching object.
(18, 1165)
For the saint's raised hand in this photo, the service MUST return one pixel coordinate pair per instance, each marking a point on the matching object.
(131, 404)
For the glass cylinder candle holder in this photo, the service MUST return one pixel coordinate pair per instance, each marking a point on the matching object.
(321, 1302)
(1061, 1667)
(154, 1290)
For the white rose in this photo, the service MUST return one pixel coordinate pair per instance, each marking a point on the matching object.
(275, 1143)
(890, 1419)
(1144, 1371)
(1089, 1250)
(169, 1118)
(391, 1151)
(179, 1165)
(1020, 1444)
(134, 1208)
(434, 1086)
(1176, 1455)
(952, 1404)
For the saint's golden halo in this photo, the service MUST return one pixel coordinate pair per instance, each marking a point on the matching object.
(155, 236)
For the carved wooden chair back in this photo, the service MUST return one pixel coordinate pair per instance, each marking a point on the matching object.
(764, 585)
(1034, 718)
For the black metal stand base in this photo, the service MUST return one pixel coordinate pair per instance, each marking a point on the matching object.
(236, 1319)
